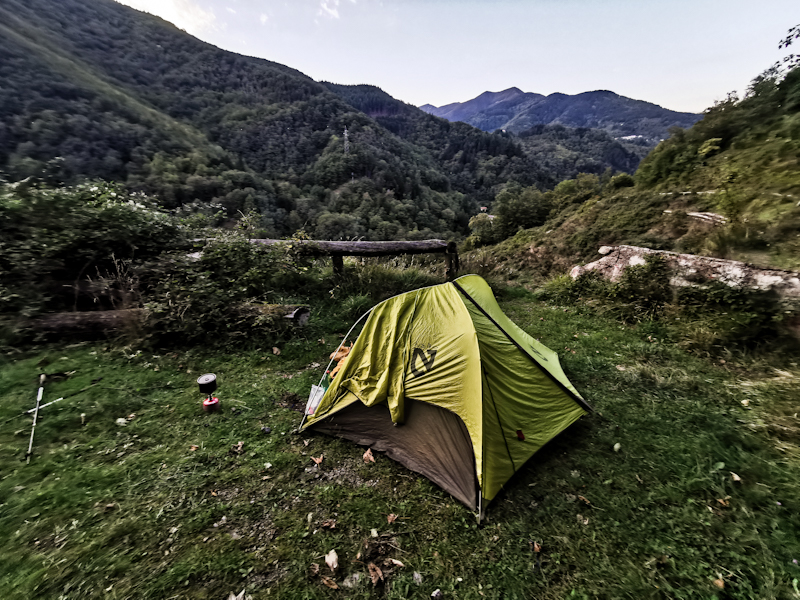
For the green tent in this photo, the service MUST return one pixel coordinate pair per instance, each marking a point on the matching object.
(446, 384)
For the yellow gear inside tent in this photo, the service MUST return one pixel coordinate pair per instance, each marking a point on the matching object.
(446, 384)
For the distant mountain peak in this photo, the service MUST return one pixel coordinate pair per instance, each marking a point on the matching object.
(517, 111)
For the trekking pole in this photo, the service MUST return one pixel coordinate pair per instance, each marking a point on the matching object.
(29, 411)
(35, 415)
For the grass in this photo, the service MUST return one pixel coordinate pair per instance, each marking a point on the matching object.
(112, 511)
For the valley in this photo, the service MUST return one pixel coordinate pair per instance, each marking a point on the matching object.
(138, 167)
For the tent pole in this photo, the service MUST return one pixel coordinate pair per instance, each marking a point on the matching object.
(342, 343)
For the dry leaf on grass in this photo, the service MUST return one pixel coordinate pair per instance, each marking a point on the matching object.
(375, 574)
(536, 547)
(314, 569)
(276, 351)
(329, 582)
(391, 518)
(328, 524)
(396, 562)
(368, 456)
(318, 460)
(193, 447)
(735, 477)
(332, 560)
(719, 583)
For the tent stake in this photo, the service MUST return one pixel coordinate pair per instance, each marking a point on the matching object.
(35, 416)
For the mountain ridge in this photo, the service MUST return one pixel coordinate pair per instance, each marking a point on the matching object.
(99, 90)
(516, 111)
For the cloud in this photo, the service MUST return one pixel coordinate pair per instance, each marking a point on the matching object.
(264, 18)
(329, 8)
(182, 13)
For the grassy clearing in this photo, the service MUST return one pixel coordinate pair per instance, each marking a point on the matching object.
(133, 511)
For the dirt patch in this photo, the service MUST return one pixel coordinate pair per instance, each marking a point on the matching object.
(256, 533)
(292, 402)
(343, 473)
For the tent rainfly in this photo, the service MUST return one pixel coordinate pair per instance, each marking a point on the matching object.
(446, 384)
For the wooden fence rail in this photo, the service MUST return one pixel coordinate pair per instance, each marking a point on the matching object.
(337, 250)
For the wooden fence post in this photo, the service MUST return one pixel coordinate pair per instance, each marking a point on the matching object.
(452, 261)
(338, 264)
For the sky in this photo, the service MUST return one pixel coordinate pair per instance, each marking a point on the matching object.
(681, 54)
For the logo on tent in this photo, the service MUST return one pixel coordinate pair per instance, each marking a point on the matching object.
(426, 358)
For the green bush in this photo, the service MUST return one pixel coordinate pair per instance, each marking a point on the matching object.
(568, 290)
(219, 295)
(644, 289)
(712, 318)
(640, 294)
(52, 239)
(717, 316)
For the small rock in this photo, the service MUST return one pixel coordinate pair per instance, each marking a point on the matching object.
(266, 430)
(352, 580)
(437, 593)
(617, 447)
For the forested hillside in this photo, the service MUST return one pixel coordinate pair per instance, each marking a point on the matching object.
(741, 161)
(98, 90)
(542, 155)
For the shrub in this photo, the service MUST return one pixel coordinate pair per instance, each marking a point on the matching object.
(718, 317)
(53, 238)
(645, 289)
(218, 295)
(640, 295)
(621, 180)
(710, 318)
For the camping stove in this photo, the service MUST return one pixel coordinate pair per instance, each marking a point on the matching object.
(208, 385)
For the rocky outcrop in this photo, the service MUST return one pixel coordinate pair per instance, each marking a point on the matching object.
(690, 269)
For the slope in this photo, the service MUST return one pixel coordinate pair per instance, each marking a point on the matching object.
(741, 161)
(97, 89)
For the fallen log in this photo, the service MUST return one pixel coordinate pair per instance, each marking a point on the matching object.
(87, 322)
(96, 322)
